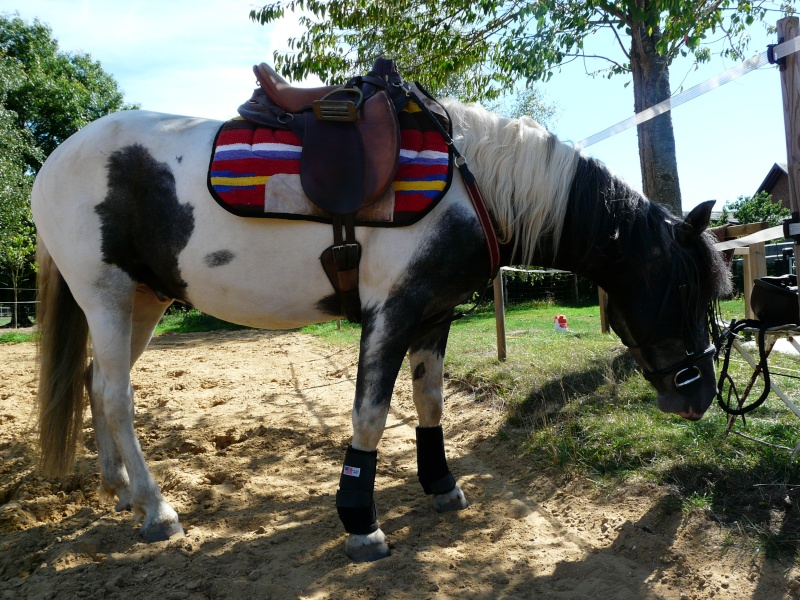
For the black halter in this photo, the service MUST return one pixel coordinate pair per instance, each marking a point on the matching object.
(686, 370)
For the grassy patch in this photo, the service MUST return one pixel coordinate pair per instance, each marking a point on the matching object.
(191, 320)
(342, 333)
(14, 337)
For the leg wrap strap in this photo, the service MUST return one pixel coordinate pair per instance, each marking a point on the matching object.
(432, 470)
(354, 497)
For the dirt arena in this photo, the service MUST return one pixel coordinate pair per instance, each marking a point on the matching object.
(245, 431)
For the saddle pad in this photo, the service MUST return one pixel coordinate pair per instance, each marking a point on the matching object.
(255, 172)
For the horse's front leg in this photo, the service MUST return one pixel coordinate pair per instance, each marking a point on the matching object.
(384, 342)
(426, 357)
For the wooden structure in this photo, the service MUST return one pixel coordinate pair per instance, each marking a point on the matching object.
(787, 29)
(755, 259)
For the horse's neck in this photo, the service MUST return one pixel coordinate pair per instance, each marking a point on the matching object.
(601, 208)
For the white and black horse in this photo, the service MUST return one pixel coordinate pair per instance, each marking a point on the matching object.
(127, 225)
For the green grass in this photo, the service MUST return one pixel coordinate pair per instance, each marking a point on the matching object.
(10, 336)
(182, 320)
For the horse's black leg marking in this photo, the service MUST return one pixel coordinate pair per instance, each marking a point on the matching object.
(419, 371)
(218, 258)
(443, 273)
(142, 224)
(385, 338)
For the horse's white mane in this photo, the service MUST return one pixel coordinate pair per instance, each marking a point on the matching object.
(524, 172)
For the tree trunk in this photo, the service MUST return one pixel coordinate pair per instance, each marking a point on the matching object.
(656, 139)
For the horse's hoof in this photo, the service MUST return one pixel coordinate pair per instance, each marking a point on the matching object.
(161, 532)
(367, 548)
(451, 501)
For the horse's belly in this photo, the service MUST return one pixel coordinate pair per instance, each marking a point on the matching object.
(266, 272)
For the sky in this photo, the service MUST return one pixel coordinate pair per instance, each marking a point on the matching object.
(195, 57)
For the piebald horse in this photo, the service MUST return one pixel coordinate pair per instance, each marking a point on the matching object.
(127, 225)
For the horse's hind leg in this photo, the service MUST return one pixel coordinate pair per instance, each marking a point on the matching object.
(426, 357)
(116, 345)
(115, 484)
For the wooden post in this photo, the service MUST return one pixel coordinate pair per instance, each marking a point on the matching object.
(500, 315)
(790, 86)
(602, 297)
(754, 263)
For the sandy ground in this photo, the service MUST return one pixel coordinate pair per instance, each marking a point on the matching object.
(246, 430)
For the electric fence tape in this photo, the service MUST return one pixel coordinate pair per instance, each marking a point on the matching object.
(751, 64)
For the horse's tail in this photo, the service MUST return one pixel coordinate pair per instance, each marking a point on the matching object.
(63, 348)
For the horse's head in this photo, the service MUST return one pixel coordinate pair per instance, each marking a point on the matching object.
(665, 322)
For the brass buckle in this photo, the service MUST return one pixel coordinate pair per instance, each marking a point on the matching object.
(338, 110)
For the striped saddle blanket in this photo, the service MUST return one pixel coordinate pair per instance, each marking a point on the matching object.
(255, 172)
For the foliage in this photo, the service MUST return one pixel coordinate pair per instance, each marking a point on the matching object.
(754, 209)
(487, 46)
(529, 102)
(45, 96)
(483, 48)
(57, 92)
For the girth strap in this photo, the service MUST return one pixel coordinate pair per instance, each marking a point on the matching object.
(341, 262)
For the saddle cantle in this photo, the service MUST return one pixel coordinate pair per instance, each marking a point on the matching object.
(350, 133)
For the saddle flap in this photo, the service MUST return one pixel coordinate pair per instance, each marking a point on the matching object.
(332, 166)
(345, 165)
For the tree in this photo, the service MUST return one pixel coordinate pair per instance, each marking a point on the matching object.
(754, 209)
(59, 92)
(494, 43)
(45, 96)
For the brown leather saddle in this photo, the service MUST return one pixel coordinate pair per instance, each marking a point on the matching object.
(350, 133)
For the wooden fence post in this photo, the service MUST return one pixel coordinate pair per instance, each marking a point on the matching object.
(602, 298)
(500, 315)
(790, 86)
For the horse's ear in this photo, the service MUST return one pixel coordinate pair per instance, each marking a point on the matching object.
(697, 220)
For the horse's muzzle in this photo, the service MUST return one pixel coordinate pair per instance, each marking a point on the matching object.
(689, 391)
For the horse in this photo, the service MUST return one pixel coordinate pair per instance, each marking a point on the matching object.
(126, 226)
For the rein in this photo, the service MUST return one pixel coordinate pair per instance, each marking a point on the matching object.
(725, 345)
(474, 192)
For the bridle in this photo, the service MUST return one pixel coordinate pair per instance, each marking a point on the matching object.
(687, 371)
